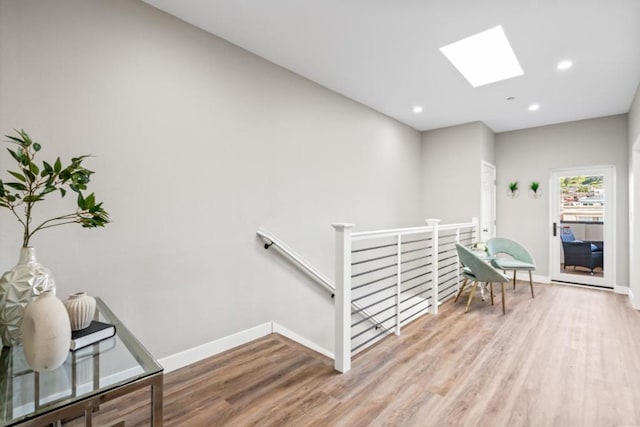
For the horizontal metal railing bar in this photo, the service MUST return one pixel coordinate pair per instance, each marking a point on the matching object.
(454, 256)
(415, 277)
(454, 285)
(370, 248)
(413, 250)
(356, 348)
(361, 333)
(374, 304)
(395, 254)
(408, 242)
(382, 321)
(353, 276)
(448, 296)
(447, 272)
(373, 293)
(425, 300)
(353, 325)
(449, 279)
(415, 259)
(415, 295)
(362, 285)
(416, 286)
(415, 268)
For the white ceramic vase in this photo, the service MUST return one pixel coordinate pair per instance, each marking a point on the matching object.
(46, 333)
(81, 308)
(18, 287)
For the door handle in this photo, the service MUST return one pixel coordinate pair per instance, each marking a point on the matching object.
(555, 229)
(486, 230)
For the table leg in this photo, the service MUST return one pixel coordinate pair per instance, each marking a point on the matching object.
(156, 402)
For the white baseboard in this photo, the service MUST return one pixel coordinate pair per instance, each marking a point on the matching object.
(279, 329)
(634, 302)
(622, 290)
(192, 355)
(523, 275)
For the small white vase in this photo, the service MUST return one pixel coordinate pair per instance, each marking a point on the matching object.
(81, 308)
(46, 333)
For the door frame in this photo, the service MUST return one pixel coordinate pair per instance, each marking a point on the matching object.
(484, 203)
(608, 280)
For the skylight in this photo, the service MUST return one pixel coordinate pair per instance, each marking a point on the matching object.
(484, 58)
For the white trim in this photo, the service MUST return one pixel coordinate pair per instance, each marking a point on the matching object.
(535, 277)
(622, 290)
(635, 304)
(610, 226)
(279, 329)
(192, 355)
(195, 354)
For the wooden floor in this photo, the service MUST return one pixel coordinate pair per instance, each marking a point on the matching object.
(569, 357)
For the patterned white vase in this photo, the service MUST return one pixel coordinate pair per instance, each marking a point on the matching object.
(46, 333)
(81, 308)
(18, 287)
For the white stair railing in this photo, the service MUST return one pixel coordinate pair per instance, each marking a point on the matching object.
(385, 279)
(397, 275)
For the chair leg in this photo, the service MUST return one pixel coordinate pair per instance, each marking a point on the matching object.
(514, 279)
(503, 307)
(473, 291)
(531, 284)
(491, 291)
(461, 289)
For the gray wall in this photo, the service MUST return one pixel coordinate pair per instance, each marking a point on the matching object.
(529, 155)
(197, 143)
(451, 160)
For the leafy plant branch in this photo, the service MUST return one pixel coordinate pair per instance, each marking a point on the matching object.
(32, 183)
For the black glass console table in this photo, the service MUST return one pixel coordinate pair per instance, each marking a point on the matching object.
(89, 377)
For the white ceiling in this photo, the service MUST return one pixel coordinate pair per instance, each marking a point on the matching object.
(385, 53)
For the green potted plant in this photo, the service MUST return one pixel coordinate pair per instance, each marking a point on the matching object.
(534, 189)
(29, 185)
(513, 189)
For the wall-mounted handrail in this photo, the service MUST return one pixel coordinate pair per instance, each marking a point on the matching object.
(271, 240)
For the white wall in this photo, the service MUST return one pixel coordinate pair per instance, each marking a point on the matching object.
(451, 160)
(197, 143)
(529, 155)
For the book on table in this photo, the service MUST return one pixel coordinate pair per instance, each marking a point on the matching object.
(96, 331)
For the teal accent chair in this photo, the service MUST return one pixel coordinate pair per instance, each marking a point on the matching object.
(477, 270)
(519, 258)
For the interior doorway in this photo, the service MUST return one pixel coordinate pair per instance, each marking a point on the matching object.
(583, 226)
(487, 201)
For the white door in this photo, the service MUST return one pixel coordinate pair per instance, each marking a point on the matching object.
(582, 248)
(487, 201)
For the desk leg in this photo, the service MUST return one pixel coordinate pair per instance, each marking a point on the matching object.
(156, 402)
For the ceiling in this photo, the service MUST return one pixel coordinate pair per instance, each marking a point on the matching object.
(385, 53)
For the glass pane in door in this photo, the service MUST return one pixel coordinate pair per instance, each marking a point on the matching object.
(582, 207)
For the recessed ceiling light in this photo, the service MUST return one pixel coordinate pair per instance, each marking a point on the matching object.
(484, 58)
(534, 107)
(417, 109)
(565, 65)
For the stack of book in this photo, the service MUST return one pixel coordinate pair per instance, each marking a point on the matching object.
(96, 331)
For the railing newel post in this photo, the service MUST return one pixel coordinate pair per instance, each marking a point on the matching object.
(432, 222)
(343, 297)
(399, 283)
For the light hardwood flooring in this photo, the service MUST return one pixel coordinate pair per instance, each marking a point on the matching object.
(569, 357)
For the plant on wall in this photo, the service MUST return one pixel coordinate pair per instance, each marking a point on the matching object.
(32, 183)
(534, 190)
(513, 189)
